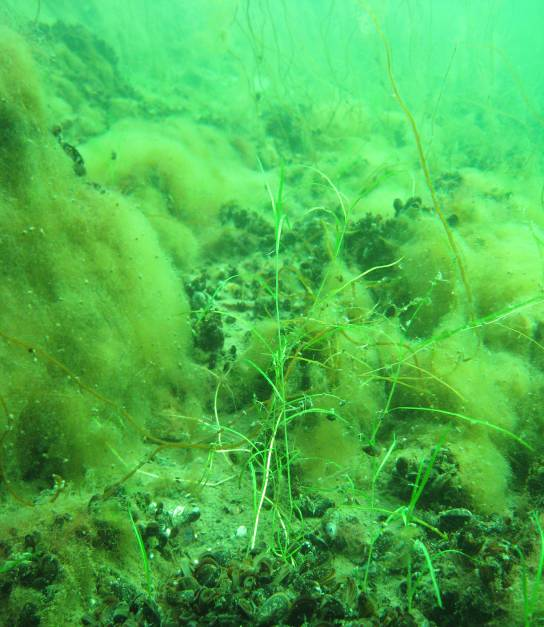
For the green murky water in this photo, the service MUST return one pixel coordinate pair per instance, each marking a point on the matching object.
(271, 323)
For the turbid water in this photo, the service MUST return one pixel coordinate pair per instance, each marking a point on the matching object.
(272, 313)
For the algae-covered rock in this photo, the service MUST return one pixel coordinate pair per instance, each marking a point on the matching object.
(92, 308)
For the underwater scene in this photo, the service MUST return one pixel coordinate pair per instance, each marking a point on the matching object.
(271, 313)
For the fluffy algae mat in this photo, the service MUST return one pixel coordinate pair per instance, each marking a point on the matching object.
(258, 391)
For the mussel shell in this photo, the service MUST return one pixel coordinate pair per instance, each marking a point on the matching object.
(208, 574)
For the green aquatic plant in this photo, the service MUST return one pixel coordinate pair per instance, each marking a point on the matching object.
(419, 546)
(406, 514)
(38, 12)
(143, 556)
(423, 162)
(292, 342)
(531, 592)
(470, 420)
(313, 342)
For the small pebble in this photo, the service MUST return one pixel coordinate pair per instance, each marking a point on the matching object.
(241, 532)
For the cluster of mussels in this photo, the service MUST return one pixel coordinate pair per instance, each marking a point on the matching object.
(222, 589)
